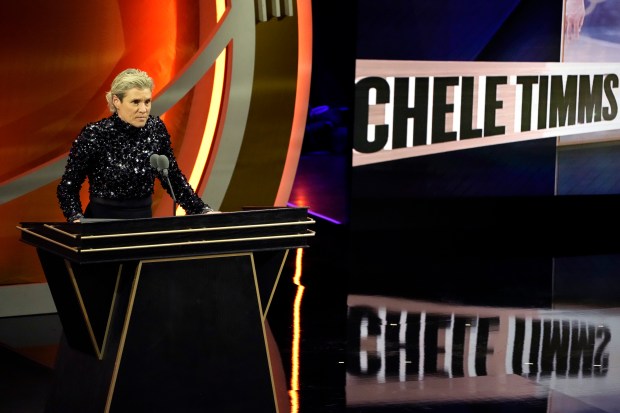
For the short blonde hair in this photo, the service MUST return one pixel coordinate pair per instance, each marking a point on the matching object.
(125, 80)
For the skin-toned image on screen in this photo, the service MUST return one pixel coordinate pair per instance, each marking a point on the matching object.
(587, 162)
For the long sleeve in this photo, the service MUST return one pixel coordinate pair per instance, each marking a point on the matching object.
(76, 170)
(115, 159)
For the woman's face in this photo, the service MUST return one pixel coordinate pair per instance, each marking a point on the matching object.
(135, 106)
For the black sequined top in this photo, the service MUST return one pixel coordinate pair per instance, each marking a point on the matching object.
(115, 158)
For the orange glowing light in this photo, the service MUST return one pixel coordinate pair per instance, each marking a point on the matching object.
(214, 113)
(296, 332)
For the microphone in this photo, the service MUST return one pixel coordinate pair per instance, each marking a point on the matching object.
(161, 163)
(153, 160)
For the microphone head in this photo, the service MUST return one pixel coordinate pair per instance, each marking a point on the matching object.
(163, 162)
(154, 158)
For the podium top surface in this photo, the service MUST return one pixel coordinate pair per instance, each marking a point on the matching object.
(120, 240)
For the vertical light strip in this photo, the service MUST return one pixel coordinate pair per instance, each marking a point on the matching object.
(472, 346)
(275, 8)
(288, 7)
(449, 340)
(421, 344)
(212, 118)
(402, 344)
(261, 12)
(527, 347)
(381, 341)
(510, 339)
(214, 109)
(294, 392)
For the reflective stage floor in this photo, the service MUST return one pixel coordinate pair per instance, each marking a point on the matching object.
(364, 352)
(402, 332)
(307, 318)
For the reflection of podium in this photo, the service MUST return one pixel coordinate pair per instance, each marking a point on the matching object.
(166, 314)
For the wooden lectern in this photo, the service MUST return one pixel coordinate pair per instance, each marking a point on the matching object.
(166, 314)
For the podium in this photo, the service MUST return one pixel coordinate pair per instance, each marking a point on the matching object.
(166, 314)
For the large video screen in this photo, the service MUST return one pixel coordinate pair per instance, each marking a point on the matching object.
(486, 98)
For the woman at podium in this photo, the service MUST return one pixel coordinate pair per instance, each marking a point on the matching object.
(121, 156)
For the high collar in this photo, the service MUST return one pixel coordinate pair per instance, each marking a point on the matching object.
(125, 127)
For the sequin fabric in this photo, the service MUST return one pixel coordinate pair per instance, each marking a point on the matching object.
(115, 158)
